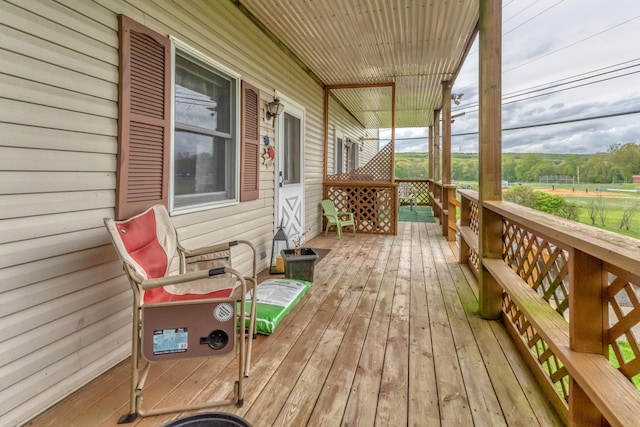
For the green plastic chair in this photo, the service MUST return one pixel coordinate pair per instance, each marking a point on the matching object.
(339, 219)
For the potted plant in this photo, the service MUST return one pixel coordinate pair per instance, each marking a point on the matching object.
(299, 262)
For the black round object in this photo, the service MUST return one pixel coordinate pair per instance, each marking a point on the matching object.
(210, 419)
(218, 339)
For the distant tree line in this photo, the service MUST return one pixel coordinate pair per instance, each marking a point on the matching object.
(618, 164)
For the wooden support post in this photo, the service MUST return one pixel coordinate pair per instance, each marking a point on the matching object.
(326, 134)
(431, 156)
(436, 145)
(588, 317)
(446, 133)
(451, 223)
(444, 212)
(490, 247)
(490, 179)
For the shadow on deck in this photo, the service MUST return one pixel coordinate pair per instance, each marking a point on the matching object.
(388, 335)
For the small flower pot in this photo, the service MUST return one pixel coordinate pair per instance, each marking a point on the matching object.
(299, 267)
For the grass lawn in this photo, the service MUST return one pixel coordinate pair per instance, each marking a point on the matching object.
(627, 353)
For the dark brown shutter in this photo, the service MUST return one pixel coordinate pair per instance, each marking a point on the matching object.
(144, 119)
(250, 143)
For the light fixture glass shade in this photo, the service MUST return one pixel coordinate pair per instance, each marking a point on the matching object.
(274, 108)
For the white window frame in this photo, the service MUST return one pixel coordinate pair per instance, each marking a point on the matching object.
(177, 44)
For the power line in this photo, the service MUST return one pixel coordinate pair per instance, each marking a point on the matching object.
(571, 44)
(532, 18)
(516, 94)
(583, 74)
(560, 122)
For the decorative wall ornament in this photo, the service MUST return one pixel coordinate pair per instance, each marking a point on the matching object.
(268, 152)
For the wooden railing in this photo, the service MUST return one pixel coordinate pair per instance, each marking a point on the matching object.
(373, 203)
(569, 300)
(419, 188)
(444, 205)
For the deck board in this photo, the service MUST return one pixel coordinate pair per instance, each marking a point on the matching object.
(388, 335)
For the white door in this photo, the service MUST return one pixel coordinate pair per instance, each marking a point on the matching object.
(289, 171)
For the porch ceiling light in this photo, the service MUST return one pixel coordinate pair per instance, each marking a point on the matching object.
(275, 107)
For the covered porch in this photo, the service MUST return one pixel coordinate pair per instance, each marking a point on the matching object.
(389, 334)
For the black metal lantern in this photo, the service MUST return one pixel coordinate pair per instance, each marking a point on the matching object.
(280, 241)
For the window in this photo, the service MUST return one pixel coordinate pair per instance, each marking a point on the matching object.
(352, 157)
(213, 149)
(339, 155)
(291, 149)
(205, 141)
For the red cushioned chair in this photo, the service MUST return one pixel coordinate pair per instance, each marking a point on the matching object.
(193, 313)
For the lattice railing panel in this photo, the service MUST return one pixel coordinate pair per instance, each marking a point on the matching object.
(544, 266)
(474, 217)
(548, 362)
(624, 317)
(420, 189)
(379, 168)
(373, 207)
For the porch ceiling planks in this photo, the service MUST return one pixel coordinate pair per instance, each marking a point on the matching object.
(388, 334)
(416, 44)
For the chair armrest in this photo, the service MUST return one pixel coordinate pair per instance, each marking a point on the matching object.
(207, 249)
(187, 277)
(349, 214)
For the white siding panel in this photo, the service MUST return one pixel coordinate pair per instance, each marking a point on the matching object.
(59, 371)
(30, 296)
(50, 268)
(26, 205)
(34, 317)
(43, 357)
(20, 182)
(79, 376)
(25, 159)
(45, 51)
(25, 136)
(55, 118)
(36, 249)
(26, 228)
(19, 18)
(32, 69)
(38, 93)
(72, 21)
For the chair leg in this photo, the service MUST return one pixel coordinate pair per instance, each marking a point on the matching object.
(339, 228)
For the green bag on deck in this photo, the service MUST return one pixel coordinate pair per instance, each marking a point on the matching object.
(275, 299)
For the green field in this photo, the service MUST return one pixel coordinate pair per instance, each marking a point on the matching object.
(615, 197)
(621, 197)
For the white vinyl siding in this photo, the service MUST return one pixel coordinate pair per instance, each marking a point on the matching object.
(64, 301)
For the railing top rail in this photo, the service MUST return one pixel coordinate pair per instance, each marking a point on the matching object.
(469, 194)
(610, 247)
(412, 180)
(360, 184)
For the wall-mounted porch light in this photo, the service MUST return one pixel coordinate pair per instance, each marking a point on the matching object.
(275, 107)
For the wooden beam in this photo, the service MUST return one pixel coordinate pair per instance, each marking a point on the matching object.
(326, 134)
(446, 132)
(393, 136)
(490, 178)
(431, 150)
(436, 145)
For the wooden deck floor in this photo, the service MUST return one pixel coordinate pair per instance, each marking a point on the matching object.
(388, 335)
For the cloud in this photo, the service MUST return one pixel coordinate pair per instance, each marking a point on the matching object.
(551, 42)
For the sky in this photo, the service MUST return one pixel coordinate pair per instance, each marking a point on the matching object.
(592, 44)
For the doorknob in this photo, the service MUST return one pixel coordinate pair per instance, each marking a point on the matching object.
(281, 179)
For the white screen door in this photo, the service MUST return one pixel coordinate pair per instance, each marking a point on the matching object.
(290, 171)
